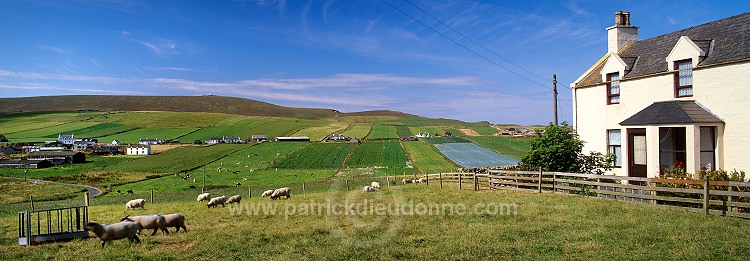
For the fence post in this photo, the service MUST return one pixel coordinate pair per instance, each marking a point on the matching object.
(554, 175)
(86, 198)
(415, 176)
(729, 198)
(32, 205)
(540, 180)
(386, 180)
(440, 177)
(706, 196)
(249, 192)
(427, 178)
(303, 188)
(152, 196)
(460, 177)
(347, 184)
(652, 185)
(476, 186)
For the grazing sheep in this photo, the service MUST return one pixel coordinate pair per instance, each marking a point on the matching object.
(375, 185)
(155, 222)
(176, 221)
(368, 189)
(267, 193)
(281, 192)
(234, 199)
(136, 203)
(216, 201)
(121, 230)
(238, 184)
(203, 196)
(422, 180)
(405, 181)
(130, 191)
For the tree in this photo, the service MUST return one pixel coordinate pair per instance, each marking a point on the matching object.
(558, 148)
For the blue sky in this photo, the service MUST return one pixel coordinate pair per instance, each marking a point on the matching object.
(349, 55)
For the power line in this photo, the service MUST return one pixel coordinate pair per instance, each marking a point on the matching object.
(465, 47)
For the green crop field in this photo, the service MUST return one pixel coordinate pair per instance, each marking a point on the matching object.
(484, 130)
(317, 156)
(317, 133)
(102, 129)
(229, 127)
(358, 130)
(510, 146)
(276, 127)
(432, 130)
(49, 132)
(136, 135)
(384, 154)
(168, 119)
(402, 131)
(383, 131)
(441, 140)
(178, 159)
(427, 159)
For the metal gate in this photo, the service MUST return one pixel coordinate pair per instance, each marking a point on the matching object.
(59, 224)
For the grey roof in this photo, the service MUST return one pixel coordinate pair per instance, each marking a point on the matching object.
(54, 153)
(672, 112)
(724, 40)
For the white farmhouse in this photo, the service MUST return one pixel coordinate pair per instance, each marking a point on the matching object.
(678, 97)
(138, 150)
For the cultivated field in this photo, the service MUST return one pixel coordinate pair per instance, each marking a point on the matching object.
(511, 146)
(470, 155)
(359, 130)
(383, 131)
(388, 156)
(427, 159)
(317, 133)
(317, 156)
(178, 159)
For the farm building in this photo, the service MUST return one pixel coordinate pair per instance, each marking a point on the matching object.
(82, 144)
(672, 98)
(30, 149)
(301, 138)
(3, 138)
(423, 135)
(150, 141)
(106, 149)
(30, 164)
(66, 139)
(258, 138)
(224, 140)
(59, 157)
(138, 150)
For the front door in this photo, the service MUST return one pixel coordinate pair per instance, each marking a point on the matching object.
(637, 153)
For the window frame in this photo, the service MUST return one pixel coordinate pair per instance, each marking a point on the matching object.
(677, 86)
(609, 88)
(610, 147)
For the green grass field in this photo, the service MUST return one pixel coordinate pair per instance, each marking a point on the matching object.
(136, 135)
(275, 127)
(14, 190)
(383, 131)
(102, 129)
(317, 156)
(378, 154)
(228, 127)
(427, 159)
(484, 130)
(432, 130)
(178, 159)
(545, 227)
(317, 133)
(403, 130)
(358, 130)
(441, 140)
(50, 133)
(510, 146)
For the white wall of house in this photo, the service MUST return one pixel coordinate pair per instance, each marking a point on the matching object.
(139, 150)
(720, 89)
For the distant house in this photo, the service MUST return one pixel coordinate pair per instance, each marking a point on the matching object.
(150, 141)
(408, 138)
(338, 136)
(82, 144)
(448, 134)
(30, 149)
(138, 149)
(59, 157)
(258, 138)
(106, 149)
(3, 139)
(30, 164)
(115, 142)
(224, 140)
(8, 151)
(213, 141)
(301, 138)
(423, 135)
(66, 139)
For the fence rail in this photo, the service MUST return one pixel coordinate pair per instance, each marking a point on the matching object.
(39, 226)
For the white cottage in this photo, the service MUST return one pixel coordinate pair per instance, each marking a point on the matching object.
(677, 97)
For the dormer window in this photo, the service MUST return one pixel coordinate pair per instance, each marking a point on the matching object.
(683, 78)
(613, 88)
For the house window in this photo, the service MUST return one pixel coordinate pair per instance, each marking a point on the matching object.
(614, 145)
(613, 88)
(683, 78)
(708, 148)
(672, 148)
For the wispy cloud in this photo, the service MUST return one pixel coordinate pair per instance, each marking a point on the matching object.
(161, 47)
(167, 68)
(53, 49)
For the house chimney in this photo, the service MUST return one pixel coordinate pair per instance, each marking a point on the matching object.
(622, 33)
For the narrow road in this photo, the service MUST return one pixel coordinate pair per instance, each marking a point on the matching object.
(93, 192)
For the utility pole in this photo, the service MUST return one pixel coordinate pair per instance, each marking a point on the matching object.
(554, 95)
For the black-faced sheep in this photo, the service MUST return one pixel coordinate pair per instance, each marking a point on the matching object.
(368, 189)
(176, 221)
(217, 201)
(121, 230)
(136, 203)
(375, 185)
(405, 181)
(203, 197)
(281, 192)
(234, 199)
(267, 193)
(155, 222)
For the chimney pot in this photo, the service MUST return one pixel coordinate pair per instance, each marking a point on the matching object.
(627, 18)
(618, 18)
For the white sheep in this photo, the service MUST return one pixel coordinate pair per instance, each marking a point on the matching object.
(136, 203)
(217, 201)
(405, 181)
(375, 185)
(267, 193)
(203, 197)
(155, 222)
(176, 221)
(234, 199)
(121, 230)
(422, 180)
(368, 189)
(281, 192)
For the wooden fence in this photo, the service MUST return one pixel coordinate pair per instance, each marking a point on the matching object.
(726, 198)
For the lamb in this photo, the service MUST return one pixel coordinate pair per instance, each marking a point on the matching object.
(368, 189)
(176, 221)
(203, 197)
(121, 230)
(234, 199)
(405, 181)
(375, 185)
(216, 201)
(136, 203)
(267, 193)
(281, 192)
(155, 222)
